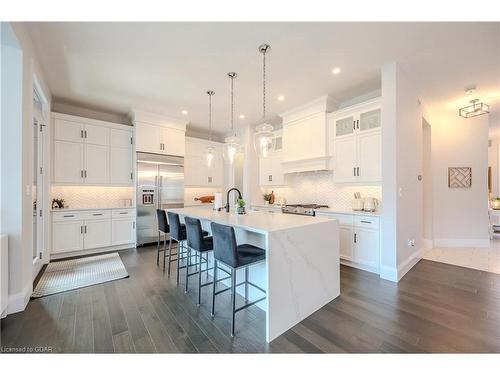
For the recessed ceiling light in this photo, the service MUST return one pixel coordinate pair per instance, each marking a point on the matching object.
(242, 116)
(281, 98)
(336, 70)
(184, 112)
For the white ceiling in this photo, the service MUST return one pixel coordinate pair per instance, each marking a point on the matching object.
(167, 67)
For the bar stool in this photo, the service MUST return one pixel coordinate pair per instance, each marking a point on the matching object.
(164, 229)
(235, 257)
(201, 244)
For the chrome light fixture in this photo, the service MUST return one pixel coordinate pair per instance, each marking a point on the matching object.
(209, 151)
(232, 143)
(476, 108)
(263, 138)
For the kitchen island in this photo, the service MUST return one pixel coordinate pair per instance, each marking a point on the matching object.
(301, 272)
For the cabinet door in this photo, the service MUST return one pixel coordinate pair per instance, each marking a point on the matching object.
(121, 166)
(123, 231)
(190, 168)
(277, 169)
(68, 131)
(174, 141)
(96, 164)
(121, 138)
(97, 233)
(68, 162)
(67, 236)
(148, 138)
(345, 159)
(216, 171)
(97, 135)
(344, 126)
(265, 172)
(366, 247)
(369, 119)
(370, 156)
(346, 241)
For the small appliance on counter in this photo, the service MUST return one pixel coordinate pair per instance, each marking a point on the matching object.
(370, 204)
(358, 202)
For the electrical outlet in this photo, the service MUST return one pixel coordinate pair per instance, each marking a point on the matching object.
(411, 243)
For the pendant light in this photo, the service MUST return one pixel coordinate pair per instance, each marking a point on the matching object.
(209, 151)
(263, 139)
(232, 143)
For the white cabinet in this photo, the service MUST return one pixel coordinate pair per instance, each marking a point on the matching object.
(357, 140)
(271, 170)
(67, 236)
(346, 241)
(160, 139)
(173, 141)
(97, 153)
(97, 233)
(123, 231)
(196, 171)
(366, 249)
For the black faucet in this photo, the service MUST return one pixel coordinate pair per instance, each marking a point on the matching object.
(227, 197)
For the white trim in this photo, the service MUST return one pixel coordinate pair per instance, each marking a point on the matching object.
(349, 263)
(457, 242)
(389, 273)
(90, 121)
(323, 105)
(428, 243)
(18, 301)
(408, 264)
(56, 256)
(157, 119)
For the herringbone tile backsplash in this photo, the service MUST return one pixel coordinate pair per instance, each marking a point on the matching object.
(93, 196)
(318, 187)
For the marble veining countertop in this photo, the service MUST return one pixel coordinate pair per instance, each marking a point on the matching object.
(329, 210)
(253, 221)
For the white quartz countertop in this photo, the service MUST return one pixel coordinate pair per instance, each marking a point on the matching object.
(91, 209)
(330, 210)
(253, 221)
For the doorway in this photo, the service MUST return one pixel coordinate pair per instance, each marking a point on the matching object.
(427, 223)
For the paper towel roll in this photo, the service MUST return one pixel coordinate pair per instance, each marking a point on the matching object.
(218, 201)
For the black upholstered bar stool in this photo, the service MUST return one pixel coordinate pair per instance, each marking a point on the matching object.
(163, 229)
(200, 244)
(235, 257)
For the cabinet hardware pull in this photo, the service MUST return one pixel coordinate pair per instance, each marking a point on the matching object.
(68, 215)
(133, 225)
(357, 169)
(97, 214)
(85, 173)
(85, 229)
(354, 125)
(123, 213)
(131, 175)
(354, 171)
(85, 134)
(366, 222)
(357, 123)
(81, 229)
(81, 133)
(131, 140)
(81, 173)
(355, 238)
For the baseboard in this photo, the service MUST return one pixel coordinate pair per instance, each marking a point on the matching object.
(389, 273)
(56, 256)
(428, 243)
(408, 264)
(458, 242)
(359, 266)
(18, 301)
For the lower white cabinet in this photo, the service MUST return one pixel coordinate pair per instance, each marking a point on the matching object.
(92, 229)
(359, 240)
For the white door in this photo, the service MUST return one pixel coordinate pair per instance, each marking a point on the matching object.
(68, 131)
(216, 171)
(148, 138)
(346, 240)
(96, 135)
(123, 231)
(96, 164)
(344, 125)
(370, 156)
(173, 141)
(97, 233)
(121, 166)
(345, 159)
(120, 138)
(68, 162)
(366, 247)
(369, 119)
(277, 169)
(67, 236)
(265, 172)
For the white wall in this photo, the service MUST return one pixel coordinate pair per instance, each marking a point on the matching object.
(493, 164)
(20, 160)
(402, 115)
(427, 219)
(460, 215)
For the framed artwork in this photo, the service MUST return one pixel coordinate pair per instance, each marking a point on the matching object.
(459, 177)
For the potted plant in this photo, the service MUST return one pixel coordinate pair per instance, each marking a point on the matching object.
(267, 198)
(495, 203)
(241, 207)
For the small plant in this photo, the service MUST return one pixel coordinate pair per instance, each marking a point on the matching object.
(267, 197)
(241, 203)
(58, 203)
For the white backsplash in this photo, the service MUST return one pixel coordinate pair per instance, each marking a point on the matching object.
(319, 188)
(93, 196)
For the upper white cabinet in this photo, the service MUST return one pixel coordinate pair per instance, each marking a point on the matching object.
(91, 152)
(196, 170)
(271, 167)
(356, 139)
(305, 137)
(159, 134)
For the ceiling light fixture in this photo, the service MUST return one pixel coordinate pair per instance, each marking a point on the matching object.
(263, 139)
(336, 70)
(209, 151)
(184, 112)
(281, 98)
(476, 108)
(242, 116)
(232, 143)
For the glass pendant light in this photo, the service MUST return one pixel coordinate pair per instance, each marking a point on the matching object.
(209, 151)
(263, 138)
(232, 143)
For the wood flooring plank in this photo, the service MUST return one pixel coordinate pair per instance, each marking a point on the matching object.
(103, 337)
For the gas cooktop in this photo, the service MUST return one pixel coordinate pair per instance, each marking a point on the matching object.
(302, 209)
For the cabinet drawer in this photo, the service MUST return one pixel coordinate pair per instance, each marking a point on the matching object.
(97, 214)
(125, 212)
(67, 216)
(343, 219)
(368, 222)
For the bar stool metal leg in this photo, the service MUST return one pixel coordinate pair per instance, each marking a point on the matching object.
(233, 299)
(187, 267)
(246, 284)
(199, 280)
(158, 249)
(170, 256)
(179, 248)
(214, 287)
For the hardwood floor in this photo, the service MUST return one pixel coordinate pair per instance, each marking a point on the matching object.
(435, 308)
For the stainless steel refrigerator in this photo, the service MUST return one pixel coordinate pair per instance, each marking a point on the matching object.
(160, 184)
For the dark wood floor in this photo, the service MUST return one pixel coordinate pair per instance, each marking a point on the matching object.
(435, 308)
